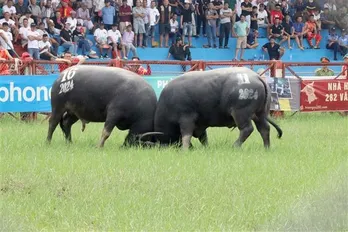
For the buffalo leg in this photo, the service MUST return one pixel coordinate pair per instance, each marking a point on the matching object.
(203, 138)
(245, 128)
(264, 129)
(53, 123)
(186, 129)
(110, 123)
(66, 124)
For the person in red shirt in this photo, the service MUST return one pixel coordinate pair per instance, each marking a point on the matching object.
(277, 13)
(66, 9)
(137, 68)
(69, 61)
(312, 32)
(125, 16)
(4, 56)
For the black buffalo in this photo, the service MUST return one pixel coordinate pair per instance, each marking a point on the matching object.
(226, 97)
(112, 95)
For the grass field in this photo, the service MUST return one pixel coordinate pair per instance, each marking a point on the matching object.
(300, 184)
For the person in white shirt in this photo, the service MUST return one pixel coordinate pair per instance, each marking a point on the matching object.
(11, 24)
(100, 36)
(174, 28)
(33, 42)
(9, 38)
(26, 16)
(262, 17)
(9, 8)
(23, 32)
(115, 40)
(84, 16)
(45, 49)
(154, 17)
(72, 20)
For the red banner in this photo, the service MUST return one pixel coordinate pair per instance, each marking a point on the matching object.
(324, 95)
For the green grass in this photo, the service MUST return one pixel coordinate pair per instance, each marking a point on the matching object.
(300, 184)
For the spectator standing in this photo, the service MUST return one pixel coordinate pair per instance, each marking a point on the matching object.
(8, 7)
(100, 36)
(47, 10)
(72, 20)
(154, 17)
(252, 40)
(312, 32)
(98, 6)
(108, 14)
(312, 6)
(125, 16)
(115, 40)
(65, 9)
(332, 42)
(275, 52)
(201, 7)
(324, 71)
(186, 22)
(9, 39)
(11, 24)
(58, 20)
(343, 42)
(128, 40)
(253, 17)
(174, 29)
(138, 23)
(240, 30)
(211, 16)
(33, 42)
(225, 25)
(262, 17)
(23, 32)
(327, 19)
(277, 13)
(66, 39)
(84, 15)
(246, 11)
(21, 9)
(299, 32)
(165, 13)
(35, 11)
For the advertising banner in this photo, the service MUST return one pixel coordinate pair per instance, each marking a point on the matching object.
(324, 95)
(26, 93)
(33, 93)
(285, 95)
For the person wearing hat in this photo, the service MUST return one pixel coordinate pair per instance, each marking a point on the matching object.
(312, 32)
(33, 42)
(312, 6)
(101, 37)
(332, 42)
(343, 42)
(324, 71)
(66, 39)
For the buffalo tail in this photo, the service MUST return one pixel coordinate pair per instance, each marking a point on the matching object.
(280, 132)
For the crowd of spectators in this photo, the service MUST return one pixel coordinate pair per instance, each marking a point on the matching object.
(123, 26)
